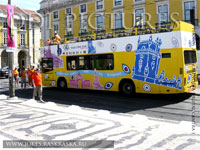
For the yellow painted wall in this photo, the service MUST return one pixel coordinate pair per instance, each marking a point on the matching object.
(76, 23)
(18, 35)
(198, 8)
(62, 23)
(91, 17)
(151, 12)
(128, 14)
(108, 5)
(176, 7)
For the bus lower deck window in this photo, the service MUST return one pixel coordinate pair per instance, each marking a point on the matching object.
(91, 62)
(47, 64)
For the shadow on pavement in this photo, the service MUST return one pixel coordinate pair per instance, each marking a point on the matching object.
(111, 101)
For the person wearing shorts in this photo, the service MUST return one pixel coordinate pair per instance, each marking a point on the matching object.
(37, 84)
(23, 78)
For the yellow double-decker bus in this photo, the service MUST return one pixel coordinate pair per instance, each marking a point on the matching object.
(155, 63)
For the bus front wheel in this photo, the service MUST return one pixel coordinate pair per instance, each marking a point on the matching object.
(127, 87)
(62, 84)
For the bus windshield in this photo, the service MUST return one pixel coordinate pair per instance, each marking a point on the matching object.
(190, 57)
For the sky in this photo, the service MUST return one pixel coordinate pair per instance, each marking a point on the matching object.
(26, 4)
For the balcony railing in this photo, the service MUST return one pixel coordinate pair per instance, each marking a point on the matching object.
(83, 32)
(23, 46)
(99, 7)
(164, 27)
(3, 45)
(69, 35)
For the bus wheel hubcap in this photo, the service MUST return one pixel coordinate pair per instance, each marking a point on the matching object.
(127, 88)
(62, 84)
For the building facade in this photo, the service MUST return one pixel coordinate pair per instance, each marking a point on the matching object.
(76, 17)
(27, 37)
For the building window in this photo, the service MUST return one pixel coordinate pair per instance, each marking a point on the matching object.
(83, 23)
(55, 28)
(22, 39)
(162, 13)
(118, 20)
(99, 5)
(69, 21)
(4, 38)
(83, 8)
(100, 22)
(188, 6)
(22, 26)
(55, 15)
(68, 11)
(118, 2)
(139, 18)
(5, 25)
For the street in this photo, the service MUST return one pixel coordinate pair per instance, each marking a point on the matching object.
(173, 107)
(102, 75)
(138, 122)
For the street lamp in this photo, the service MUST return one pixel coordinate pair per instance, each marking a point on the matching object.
(11, 60)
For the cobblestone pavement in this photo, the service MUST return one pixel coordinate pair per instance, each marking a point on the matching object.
(23, 119)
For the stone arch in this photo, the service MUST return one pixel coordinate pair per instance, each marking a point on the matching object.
(4, 58)
(22, 58)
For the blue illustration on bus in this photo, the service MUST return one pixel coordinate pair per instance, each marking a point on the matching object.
(147, 64)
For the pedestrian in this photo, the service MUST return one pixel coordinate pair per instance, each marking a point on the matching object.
(37, 84)
(16, 77)
(30, 73)
(23, 78)
(19, 71)
(33, 69)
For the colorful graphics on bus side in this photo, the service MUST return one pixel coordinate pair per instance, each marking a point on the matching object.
(147, 64)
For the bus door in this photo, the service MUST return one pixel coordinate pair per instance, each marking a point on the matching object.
(190, 78)
(47, 69)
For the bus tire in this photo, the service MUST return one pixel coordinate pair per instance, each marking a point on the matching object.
(62, 84)
(127, 87)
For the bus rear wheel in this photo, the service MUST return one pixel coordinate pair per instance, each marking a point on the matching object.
(127, 88)
(62, 84)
